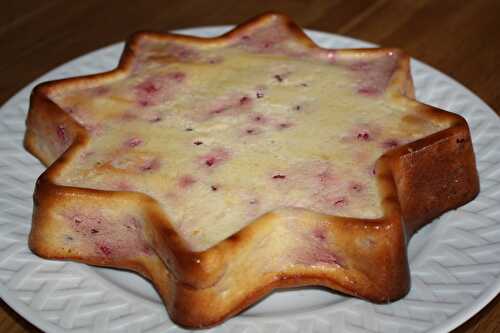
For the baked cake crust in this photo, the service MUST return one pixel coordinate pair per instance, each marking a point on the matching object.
(417, 181)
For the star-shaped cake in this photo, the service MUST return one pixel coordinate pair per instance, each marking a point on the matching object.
(223, 168)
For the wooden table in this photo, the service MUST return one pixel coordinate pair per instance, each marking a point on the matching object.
(460, 38)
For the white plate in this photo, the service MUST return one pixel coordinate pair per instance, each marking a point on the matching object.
(455, 261)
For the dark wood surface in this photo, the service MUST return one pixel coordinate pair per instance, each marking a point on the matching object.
(460, 38)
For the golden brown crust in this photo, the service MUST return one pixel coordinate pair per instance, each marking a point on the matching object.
(417, 181)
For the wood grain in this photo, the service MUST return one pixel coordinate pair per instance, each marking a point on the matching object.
(460, 38)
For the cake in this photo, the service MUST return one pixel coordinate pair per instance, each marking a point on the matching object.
(223, 168)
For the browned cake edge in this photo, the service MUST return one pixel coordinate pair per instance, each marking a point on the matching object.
(418, 182)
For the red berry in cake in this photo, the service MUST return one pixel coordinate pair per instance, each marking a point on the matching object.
(245, 100)
(133, 142)
(215, 157)
(369, 91)
(106, 250)
(363, 136)
(152, 164)
(210, 161)
(186, 181)
(340, 202)
(390, 143)
(319, 234)
(355, 187)
(177, 76)
(61, 133)
(284, 125)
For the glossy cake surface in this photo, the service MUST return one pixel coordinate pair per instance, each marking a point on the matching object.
(198, 158)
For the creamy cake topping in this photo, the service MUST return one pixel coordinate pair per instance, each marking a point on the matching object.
(220, 134)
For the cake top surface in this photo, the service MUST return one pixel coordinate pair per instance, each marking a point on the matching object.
(221, 133)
